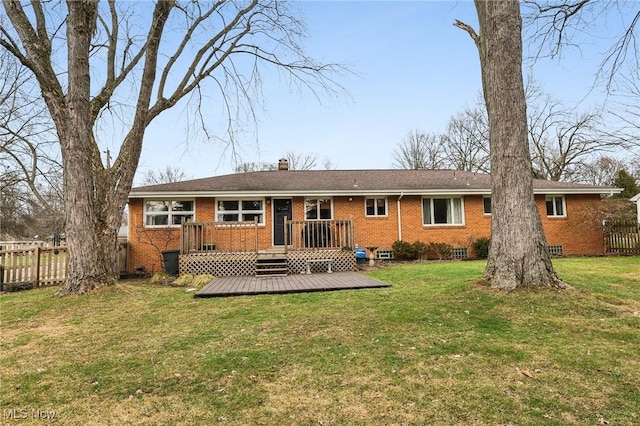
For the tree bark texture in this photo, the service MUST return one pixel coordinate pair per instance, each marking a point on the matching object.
(88, 268)
(518, 256)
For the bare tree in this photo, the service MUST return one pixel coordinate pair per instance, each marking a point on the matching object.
(88, 59)
(299, 161)
(518, 256)
(601, 171)
(327, 164)
(562, 141)
(27, 138)
(166, 175)
(556, 25)
(254, 166)
(466, 142)
(295, 161)
(419, 150)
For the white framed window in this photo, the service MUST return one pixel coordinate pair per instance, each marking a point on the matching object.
(555, 206)
(240, 210)
(318, 208)
(486, 205)
(168, 212)
(442, 211)
(375, 207)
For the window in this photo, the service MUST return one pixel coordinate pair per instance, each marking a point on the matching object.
(168, 212)
(486, 204)
(240, 210)
(317, 208)
(375, 206)
(460, 253)
(442, 211)
(555, 250)
(555, 206)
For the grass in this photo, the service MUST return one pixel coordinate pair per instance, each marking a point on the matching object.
(436, 348)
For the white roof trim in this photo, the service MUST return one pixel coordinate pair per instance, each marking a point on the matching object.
(324, 193)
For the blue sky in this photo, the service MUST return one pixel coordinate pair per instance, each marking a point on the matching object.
(412, 69)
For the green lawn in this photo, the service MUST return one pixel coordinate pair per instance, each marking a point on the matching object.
(433, 349)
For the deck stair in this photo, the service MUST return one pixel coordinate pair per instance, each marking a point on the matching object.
(272, 264)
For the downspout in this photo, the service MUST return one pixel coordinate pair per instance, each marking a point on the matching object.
(400, 217)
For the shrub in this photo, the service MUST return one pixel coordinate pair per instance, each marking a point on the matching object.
(421, 249)
(403, 250)
(443, 251)
(481, 247)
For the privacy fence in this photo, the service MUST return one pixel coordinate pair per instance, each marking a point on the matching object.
(622, 237)
(34, 264)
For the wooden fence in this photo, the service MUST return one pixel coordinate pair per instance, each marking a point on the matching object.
(37, 266)
(32, 267)
(622, 237)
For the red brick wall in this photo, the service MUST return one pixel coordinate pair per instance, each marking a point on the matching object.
(579, 232)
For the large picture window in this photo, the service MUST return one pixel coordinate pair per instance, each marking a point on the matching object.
(375, 206)
(442, 211)
(240, 210)
(555, 206)
(317, 208)
(168, 212)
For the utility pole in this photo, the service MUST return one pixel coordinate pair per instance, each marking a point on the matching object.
(108, 158)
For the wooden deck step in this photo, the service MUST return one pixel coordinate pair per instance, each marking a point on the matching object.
(271, 266)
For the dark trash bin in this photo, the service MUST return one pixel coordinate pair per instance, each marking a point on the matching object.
(170, 259)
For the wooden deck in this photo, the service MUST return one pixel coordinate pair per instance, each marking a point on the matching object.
(298, 283)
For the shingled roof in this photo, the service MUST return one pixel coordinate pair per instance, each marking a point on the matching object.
(348, 182)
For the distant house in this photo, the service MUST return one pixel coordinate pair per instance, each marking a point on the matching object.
(318, 214)
(636, 199)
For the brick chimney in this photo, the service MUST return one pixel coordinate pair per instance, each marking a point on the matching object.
(283, 164)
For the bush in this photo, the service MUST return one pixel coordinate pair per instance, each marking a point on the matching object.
(421, 249)
(481, 247)
(403, 250)
(443, 251)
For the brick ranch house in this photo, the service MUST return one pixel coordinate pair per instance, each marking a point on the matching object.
(225, 224)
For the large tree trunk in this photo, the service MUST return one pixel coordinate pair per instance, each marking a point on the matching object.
(518, 256)
(89, 260)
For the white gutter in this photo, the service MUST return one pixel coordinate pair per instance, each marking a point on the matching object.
(325, 193)
(400, 217)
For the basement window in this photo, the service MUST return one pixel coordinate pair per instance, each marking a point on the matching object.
(460, 253)
(555, 250)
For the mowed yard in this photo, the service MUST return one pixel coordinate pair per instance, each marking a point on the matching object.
(436, 348)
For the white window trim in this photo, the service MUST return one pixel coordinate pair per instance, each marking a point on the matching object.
(375, 206)
(168, 213)
(240, 212)
(564, 206)
(318, 198)
(450, 197)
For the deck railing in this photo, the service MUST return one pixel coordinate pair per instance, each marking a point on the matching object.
(319, 234)
(203, 237)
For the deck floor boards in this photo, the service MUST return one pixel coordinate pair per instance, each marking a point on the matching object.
(243, 286)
